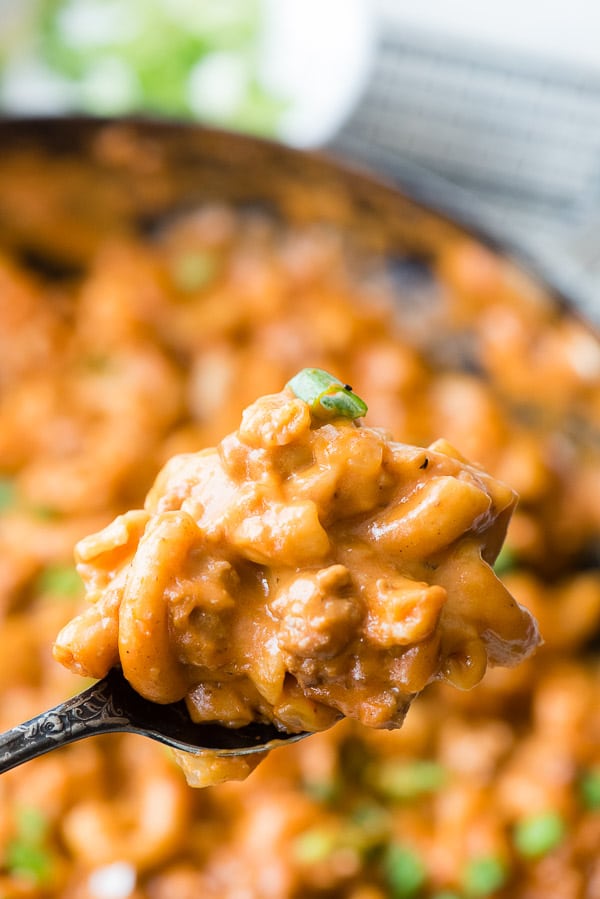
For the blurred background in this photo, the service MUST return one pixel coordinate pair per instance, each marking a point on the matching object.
(489, 111)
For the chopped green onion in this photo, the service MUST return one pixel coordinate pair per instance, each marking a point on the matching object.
(32, 824)
(506, 561)
(483, 875)
(404, 871)
(368, 828)
(314, 845)
(322, 790)
(370, 817)
(8, 493)
(9, 498)
(446, 894)
(589, 787)
(59, 580)
(31, 862)
(539, 834)
(409, 780)
(46, 513)
(327, 396)
(194, 270)
(26, 855)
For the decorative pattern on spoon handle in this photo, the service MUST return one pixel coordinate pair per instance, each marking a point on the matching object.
(92, 712)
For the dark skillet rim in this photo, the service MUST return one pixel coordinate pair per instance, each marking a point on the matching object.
(430, 192)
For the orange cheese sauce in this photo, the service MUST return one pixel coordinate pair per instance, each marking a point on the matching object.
(301, 571)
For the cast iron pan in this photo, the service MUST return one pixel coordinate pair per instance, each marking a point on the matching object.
(67, 182)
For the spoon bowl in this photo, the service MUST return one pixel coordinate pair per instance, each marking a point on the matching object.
(111, 705)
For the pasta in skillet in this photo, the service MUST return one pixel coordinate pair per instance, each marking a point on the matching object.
(154, 348)
(306, 569)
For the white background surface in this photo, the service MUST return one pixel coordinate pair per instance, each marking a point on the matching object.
(568, 32)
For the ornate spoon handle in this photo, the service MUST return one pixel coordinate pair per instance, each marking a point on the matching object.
(93, 711)
(111, 705)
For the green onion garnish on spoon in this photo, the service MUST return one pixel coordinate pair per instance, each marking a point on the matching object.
(327, 396)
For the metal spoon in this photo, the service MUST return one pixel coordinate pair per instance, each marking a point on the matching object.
(111, 706)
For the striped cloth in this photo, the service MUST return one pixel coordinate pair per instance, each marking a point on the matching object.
(507, 142)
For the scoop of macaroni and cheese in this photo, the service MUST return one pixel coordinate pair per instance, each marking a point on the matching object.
(305, 569)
